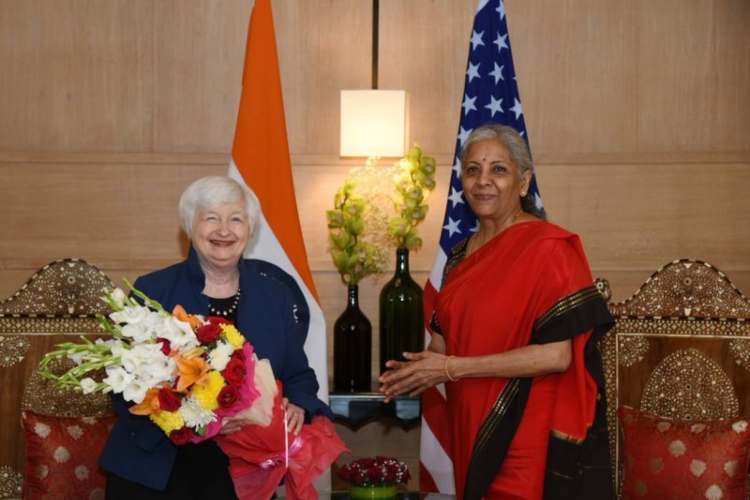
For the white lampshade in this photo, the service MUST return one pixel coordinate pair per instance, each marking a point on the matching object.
(373, 123)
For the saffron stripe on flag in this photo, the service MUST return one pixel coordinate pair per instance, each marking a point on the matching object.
(260, 159)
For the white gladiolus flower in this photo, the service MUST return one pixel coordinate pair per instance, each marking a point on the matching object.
(157, 370)
(220, 355)
(154, 324)
(132, 359)
(118, 298)
(76, 357)
(117, 348)
(88, 385)
(135, 391)
(137, 331)
(194, 414)
(130, 315)
(179, 333)
(117, 378)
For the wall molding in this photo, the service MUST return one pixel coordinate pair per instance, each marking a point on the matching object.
(549, 159)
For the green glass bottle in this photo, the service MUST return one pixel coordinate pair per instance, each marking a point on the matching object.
(401, 316)
(352, 348)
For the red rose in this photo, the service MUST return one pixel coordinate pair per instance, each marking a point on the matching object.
(166, 346)
(218, 320)
(208, 333)
(168, 400)
(234, 372)
(227, 396)
(181, 436)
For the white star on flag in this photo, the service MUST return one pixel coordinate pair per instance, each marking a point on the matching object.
(457, 166)
(501, 42)
(476, 39)
(475, 228)
(497, 73)
(463, 135)
(468, 104)
(517, 109)
(456, 196)
(473, 72)
(495, 105)
(501, 9)
(452, 227)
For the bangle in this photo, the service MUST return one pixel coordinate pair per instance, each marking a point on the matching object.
(445, 368)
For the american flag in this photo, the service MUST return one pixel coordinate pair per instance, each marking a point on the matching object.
(490, 95)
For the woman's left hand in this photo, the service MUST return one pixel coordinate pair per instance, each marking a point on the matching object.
(421, 371)
(295, 416)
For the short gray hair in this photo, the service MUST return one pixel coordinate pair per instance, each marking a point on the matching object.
(518, 150)
(210, 192)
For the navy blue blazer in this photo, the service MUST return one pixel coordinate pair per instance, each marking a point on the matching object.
(272, 314)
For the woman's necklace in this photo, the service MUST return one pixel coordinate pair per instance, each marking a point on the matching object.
(222, 311)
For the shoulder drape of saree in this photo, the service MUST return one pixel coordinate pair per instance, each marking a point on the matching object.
(575, 315)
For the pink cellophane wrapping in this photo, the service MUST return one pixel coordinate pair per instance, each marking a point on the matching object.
(258, 456)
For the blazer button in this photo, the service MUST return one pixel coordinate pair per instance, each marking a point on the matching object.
(132, 434)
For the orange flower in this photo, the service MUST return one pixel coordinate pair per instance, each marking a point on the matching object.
(193, 369)
(149, 405)
(180, 314)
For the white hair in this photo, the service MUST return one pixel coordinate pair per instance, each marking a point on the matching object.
(210, 192)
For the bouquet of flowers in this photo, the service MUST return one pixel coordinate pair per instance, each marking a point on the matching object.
(184, 372)
(378, 471)
(188, 373)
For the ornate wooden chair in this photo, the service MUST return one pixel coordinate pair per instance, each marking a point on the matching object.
(680, 349)
(59, 302)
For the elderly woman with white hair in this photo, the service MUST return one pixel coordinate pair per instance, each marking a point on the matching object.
(268, 307)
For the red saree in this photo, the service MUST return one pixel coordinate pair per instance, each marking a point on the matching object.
(522, 287)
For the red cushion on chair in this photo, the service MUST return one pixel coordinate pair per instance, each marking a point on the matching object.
(62, 455)
(670, 459)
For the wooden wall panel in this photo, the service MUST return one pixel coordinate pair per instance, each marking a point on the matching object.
(427, 58)
(694, 75)
(642, 216)
(324, 46)
(109, 214)
(76, 75)
(197, 73)
(575, 63)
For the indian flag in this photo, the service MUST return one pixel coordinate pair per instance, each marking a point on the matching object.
(260, 159)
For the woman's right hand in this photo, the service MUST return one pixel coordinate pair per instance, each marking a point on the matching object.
(419, 372)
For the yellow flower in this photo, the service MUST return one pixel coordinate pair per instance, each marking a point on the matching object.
(233, 336)
(207, 392)
(168, 421)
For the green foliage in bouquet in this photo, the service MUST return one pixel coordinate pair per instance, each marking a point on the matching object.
(414, 179)
(354, 257)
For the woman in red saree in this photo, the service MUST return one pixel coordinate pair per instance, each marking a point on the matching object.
(516, 322)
